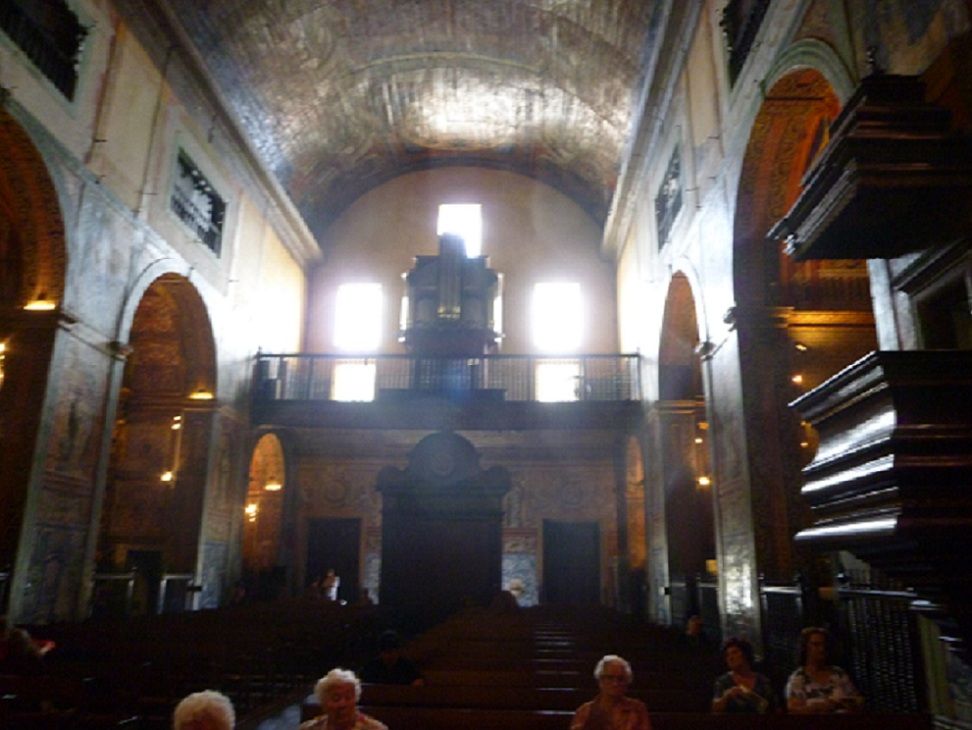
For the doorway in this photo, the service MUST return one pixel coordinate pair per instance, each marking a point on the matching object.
(147, 567)
(335, 543)
(571, 563)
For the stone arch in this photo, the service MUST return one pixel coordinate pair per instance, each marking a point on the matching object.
(682, 504)
(29, 203)
(265, 518)
(32, 269)
(161, 448)
(795, 323)
(636, 531)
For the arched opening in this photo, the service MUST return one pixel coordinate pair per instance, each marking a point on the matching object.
(32, 271)
(264, 569)
(797, 323)
(635, 514)
(685, 479)
(157, 476)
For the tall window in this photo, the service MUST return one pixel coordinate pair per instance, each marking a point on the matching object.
(357, 317)
(50, 35)
(464, 220)
(557, 323)
(557, 316)
(357, 328)
(197, 204)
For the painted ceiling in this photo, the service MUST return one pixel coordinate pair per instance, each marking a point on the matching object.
(338, 96)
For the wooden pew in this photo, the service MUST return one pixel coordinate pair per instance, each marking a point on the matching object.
(510, 698)
(405, 718)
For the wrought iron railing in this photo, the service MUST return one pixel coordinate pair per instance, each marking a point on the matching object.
(315, 377)
(883, 646)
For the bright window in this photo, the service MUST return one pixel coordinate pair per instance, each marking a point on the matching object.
(557, 316)
(464, 220)
(353, 381)
(357, 317)
(557, 381)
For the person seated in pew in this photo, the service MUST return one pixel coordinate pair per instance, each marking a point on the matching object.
(818, 687)
(741, 689)
(19, 653)
(390, 667)
(206, 710)
(611, 709)
(338, 691)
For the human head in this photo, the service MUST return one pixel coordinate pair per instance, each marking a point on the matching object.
(206, 710)
(613, 675)
(388, 641)
(338, 691)
(813, 634)
(737, 642)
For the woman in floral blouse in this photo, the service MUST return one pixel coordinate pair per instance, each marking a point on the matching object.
(817, 686)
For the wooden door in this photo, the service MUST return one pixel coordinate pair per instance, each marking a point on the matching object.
(571, 563)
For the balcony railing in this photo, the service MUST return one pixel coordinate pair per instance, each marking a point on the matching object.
(311, 377)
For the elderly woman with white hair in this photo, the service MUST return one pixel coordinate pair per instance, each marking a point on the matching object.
(338, 691)
(207, 710)
(611, 709)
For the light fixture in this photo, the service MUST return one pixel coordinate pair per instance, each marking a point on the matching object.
(698, 439)
(251, 511)
(797, 379)
(804, 444)
(176, 423)
(273, 485)
(41, 304)
(703, 425)
(704, 481)
(202, 394)
(167, 476)
(800, 346)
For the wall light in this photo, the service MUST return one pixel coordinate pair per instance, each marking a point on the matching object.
(251, 511)
(201, 394)
(704, 481)
(167, 476)
(801, 347)
(698, 439)
(41, 304)
(797, 379)
(273, 485)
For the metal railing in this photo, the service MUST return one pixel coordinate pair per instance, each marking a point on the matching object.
(314, 377)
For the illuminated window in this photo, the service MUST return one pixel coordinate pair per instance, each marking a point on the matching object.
(357, 317)
(354, 380)
(558, 316)
(557, 381)
(464, 220)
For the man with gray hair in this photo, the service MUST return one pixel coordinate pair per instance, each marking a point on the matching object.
(206, 710)
(611, 709)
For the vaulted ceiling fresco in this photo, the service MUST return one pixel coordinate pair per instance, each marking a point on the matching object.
(338, 96)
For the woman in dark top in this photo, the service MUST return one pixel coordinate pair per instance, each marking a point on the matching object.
(741, 689)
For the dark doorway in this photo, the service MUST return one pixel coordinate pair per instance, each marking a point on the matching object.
(334, 543)
(147, 566)
(571, 563)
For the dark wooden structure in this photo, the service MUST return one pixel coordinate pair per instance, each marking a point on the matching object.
(441, 529)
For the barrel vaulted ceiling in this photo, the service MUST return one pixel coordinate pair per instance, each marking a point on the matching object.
(338, 96)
